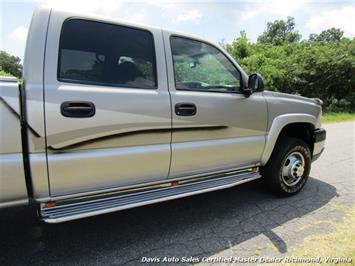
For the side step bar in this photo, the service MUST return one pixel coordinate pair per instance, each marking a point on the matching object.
(86, 208)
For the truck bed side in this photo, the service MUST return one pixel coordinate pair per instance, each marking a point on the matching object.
(12, 180)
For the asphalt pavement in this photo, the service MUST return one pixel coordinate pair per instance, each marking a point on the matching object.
(243, 221)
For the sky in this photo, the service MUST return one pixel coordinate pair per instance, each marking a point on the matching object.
(213, 19)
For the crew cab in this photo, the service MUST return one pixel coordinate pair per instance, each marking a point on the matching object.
(113, 115)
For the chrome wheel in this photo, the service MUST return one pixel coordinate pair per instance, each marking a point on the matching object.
(293, 169)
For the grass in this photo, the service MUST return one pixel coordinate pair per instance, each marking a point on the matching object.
(337, 244)
(338, 117)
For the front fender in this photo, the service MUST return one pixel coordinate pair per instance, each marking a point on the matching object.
(277, 125)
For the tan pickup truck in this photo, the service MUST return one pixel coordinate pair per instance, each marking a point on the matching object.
(113, 115)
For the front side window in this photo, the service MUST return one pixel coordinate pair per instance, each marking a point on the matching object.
(200, 66)
(106, 54)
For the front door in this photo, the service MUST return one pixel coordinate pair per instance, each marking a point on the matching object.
(215, 126)
(108, 120)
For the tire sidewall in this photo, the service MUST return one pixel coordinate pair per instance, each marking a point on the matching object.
(301, 148)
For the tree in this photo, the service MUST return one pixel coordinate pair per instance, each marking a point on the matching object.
(10, 64)
(322, 67)
(329, 36)
(280, 32)
(240, 47)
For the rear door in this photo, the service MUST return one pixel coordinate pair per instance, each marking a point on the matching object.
(215, 126)
(107, 107)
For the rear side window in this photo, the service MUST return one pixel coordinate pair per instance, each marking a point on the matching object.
(105, 54)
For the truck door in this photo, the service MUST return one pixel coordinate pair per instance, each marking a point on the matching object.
(107, 106)
(215, 126)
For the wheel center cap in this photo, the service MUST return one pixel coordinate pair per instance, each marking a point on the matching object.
(297, 169)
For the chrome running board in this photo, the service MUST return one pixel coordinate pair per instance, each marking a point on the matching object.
(56, 212)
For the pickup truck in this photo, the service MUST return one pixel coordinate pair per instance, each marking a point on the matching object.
(112, 115)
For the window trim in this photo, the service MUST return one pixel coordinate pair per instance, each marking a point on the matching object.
(240, 91)
(75, 81)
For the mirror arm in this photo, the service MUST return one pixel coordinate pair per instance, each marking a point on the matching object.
(247, 92)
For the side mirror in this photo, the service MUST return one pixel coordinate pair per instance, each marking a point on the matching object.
(255, 83)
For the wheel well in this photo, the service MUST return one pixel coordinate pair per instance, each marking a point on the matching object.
(301, 131)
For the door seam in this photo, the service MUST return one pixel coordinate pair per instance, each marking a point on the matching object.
(171, 108)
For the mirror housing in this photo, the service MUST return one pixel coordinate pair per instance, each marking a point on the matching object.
(255, 84)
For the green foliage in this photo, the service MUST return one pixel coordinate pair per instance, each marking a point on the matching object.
(4, 74)
(330, 35)
(280, 32)
(10, 64)
(321, 67)
(240, 48)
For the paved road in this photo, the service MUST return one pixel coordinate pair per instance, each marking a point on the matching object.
(242, 221)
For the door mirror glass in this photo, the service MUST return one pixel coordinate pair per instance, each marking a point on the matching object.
(255, 83)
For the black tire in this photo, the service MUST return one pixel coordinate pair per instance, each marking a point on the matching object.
(287, 158)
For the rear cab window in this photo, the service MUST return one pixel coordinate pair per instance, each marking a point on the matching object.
(106, 54)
